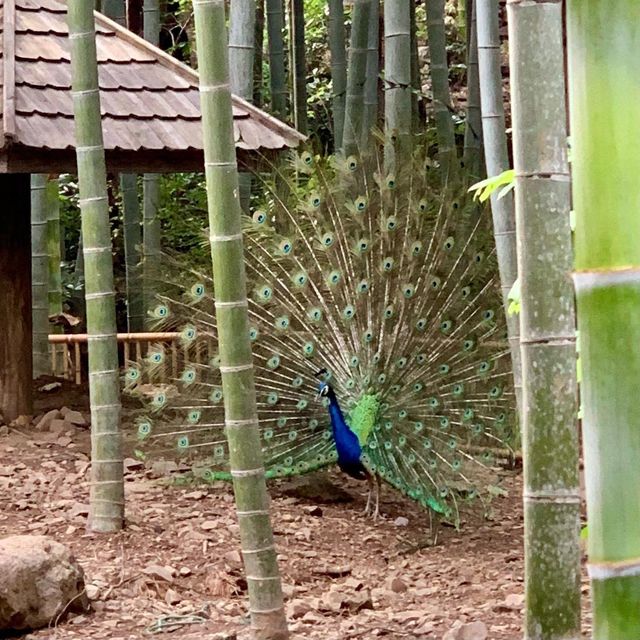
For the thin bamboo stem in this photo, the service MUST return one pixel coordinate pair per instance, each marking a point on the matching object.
(372, 75)
(54, 245)
(39, 275)
(277, 57)
(298, 65)
(132, 243)
(547, 322)
(354, 111)
(337, 39)
(107, 485)
(472, 153)
(497, 160)
(225, 221)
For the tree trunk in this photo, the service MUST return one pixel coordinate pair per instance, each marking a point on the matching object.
(603, 43)
(39, 275)
(241, 418)
(54, 247)
(353, 118)
(337, 39)
(497, 160)
(298, 66)
(277, 68)
(397, 72)
(107, 485)
(547, 322)
(443, 109)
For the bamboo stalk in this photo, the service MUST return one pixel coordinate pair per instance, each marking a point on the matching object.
(497, 160)
(547, 322)
(277, 56)
(151, 232)
(337, 39)
(116, 10)
(258, 58)
(298, 65)
(603, 41)
(354, 110)
(39, 275)
(107, 486)
(81, 338)
(416, 83)
(397, 72)
(443, 109)
(472, 153)
(245, 452)
(372, 75)
(54, 245)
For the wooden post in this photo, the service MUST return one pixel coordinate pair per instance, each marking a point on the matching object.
(16, 369)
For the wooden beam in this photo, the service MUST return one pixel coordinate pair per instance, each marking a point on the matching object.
(16, 370)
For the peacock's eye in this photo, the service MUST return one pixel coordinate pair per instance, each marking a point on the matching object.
(352, 163)
(259, 217)
(361, 204)
(307, 158)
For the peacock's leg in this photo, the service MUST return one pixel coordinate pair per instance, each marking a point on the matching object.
(367, 509)
(376, 512)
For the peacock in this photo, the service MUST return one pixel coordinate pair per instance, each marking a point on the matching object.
(378, 335)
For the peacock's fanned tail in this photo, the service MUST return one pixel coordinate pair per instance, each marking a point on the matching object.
(382, 281)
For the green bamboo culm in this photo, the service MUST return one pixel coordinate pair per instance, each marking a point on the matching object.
(225, 221)
(277, 57)
(298, 65)
(54, 248)
(354, 112)
(242, 30)
(497, 160)
(472, 153)
(397, 73)
(337, 47)
(603, 41)
(151, 232)
(116, 10)
(132, 243)
(547, 322)
(416, 81)
(443, 109)
(107, 486)
(370, 116)
(39, 275)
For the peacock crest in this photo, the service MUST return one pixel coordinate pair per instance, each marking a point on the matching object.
(385, 287)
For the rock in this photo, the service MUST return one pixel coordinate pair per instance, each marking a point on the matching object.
(314, 511)
(401, 521)
(21, 421)
(209, 525)
(162, 468)
(470, 631)
(40, 581)
(157, 571)
(397, 585)
(78, 510)
(58, 425)
(74, 417)
(297, 609)
(172, 597)
(513, 602)
(185, 571)
(4, 430)
(133, 465)
(44, 422)
(93, 591)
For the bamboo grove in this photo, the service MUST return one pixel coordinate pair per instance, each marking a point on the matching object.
(348, 73)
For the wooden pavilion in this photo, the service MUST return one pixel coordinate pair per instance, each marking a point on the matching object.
(151, 123)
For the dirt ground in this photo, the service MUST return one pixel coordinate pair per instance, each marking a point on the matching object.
(175, 571)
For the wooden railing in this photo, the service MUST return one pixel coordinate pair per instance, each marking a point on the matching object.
(66, 354)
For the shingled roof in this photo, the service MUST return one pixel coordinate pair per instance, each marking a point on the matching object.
(150, 102)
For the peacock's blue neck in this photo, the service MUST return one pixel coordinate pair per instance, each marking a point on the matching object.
(347, 444)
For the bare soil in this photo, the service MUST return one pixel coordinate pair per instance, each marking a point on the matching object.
(175, 571)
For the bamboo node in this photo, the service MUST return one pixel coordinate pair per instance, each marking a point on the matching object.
(612, 570)
(599, 278)
(237, 368)
(259, 550)
(247, 473)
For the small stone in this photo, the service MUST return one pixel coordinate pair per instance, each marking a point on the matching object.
(78, 510)
(93, 591)
(22, 421)
(64, 441)
(401, 521)
(397, 585)
(4, 430)
(163, 468)
(297, 609)
(156, 571)
(314, 511)
(185, 571)
(233, 557)
(172, 597)
(209, 525)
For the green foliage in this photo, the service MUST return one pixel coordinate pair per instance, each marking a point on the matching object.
(505, 181)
